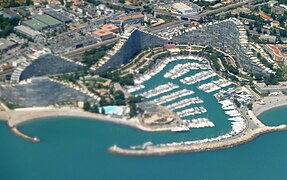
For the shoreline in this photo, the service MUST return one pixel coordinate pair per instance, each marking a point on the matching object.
(153, 150)
(271, 102)
(18, 117)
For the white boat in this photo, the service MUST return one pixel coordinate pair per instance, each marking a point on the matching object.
(180, 129)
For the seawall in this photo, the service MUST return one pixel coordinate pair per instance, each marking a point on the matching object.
(216, 145)
(20, 134)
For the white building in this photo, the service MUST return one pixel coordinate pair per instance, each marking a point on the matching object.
(184, 9)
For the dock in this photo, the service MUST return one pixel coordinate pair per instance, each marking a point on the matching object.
(200, 147)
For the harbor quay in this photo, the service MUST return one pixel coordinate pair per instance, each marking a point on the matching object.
(200, 147)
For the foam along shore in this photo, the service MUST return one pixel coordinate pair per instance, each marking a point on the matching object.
(210, 146)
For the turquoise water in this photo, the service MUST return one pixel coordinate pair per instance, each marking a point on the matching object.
(75, 148)
(274, 117)
(113, 110)
(214, 111)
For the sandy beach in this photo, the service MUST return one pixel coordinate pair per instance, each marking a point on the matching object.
(19, 116)
(271, 102)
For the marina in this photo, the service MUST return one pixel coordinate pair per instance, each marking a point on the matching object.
(159, 90)
(192, 111)
(201, 76)
(194, 81)
(181, 69)
(172, 96)
(184, 103)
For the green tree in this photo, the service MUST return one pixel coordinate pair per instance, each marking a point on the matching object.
(103, 111)
(87, 106)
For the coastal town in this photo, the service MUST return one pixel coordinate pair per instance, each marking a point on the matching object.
(156, 66)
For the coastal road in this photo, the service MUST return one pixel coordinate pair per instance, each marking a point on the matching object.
(86, 48)
(165, 26)
(227, 7)
(165, 13)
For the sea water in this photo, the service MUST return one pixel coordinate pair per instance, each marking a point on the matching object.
(76, 148)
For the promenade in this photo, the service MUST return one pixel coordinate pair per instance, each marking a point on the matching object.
(270, 103)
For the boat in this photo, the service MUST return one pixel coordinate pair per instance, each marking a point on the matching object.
(180, 129)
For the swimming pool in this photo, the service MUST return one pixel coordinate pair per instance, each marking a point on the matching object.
(113, 110)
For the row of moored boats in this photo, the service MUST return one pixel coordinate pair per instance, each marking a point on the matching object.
(181, 69)
(201, 76)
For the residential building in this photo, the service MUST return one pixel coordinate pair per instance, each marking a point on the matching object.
(135, 18)
(6, 45)
(103, 34)
(28, 32)
(185, 9)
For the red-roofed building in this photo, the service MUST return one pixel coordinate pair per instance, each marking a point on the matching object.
(265, 17)
(74, 8)
(110, 27)
(5, 67)
(172, 48)
(103, 34)
(278, 52)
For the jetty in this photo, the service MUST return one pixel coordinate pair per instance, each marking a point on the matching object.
(210, 146)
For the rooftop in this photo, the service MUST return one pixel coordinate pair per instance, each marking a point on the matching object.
(35, 24)
(102, 33)
(61, 16)
(183, 6)
(109, 27)
(4, 43)
(48, 20)
(9, 13)
(27, 30)
(264, 16)
(277, 49)
(132, 16)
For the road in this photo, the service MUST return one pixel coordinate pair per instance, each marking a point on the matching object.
(123, 5)
(165, 13)
(164, 26)
(226, 7)
(86, 48)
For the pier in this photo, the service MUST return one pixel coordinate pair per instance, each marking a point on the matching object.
(210, 146)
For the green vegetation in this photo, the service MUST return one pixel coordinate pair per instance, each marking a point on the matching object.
(132, 100)
(93, 56)
(8, 104)
(205, 4)
(119, 97)
(264, 61)
(73, 77)
(115, 77)
(68, 5)
(93, 109)
(271, 80)
(237, 103)
(166, 18)
(94, 2)
(249, 106)
(7, 25)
